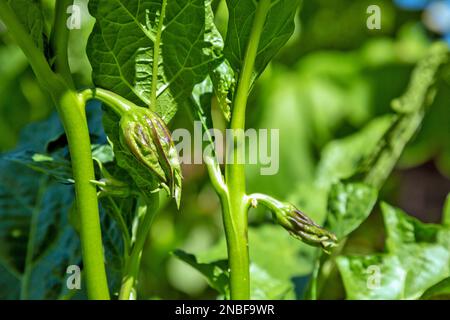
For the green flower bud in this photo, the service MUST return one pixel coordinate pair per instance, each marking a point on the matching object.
(146, 136)
(296, 222)
(302, 227)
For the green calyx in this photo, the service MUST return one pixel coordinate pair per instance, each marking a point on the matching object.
(146, 136)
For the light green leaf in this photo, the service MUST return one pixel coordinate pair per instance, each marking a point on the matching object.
(423, 249)
(349, 205)
(278, 28)
(417, 258)
(121, 49)
(376, 277)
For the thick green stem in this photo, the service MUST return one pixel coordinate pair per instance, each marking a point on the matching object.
(235, 207)
(71, 110)
(131, 270)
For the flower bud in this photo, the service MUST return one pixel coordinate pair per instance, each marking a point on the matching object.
(303, 228)
(146, 136)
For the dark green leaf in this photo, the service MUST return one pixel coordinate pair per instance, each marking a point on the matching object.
(440, 291)
(52, 165)
(122, 42)
(278, 28)
(37, 242)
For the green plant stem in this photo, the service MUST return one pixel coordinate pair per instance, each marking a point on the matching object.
(59, 41)
(35, 57)
(131, 270)
(235, 207)
(71, 111)
(117, 103)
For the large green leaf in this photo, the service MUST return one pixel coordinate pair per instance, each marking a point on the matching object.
(121, 49)
(278, 28)
(423, 249)
(417, 258)
(37, 242)
(372, 277)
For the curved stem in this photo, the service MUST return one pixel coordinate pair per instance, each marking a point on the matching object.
(236, 206)
(117, 103)
(268, 201)
(131, 270)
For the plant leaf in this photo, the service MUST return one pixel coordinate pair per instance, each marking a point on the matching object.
(30, 15)
(121, 50)
(440, 291)
(278, 28)
(372, 277)
(423, 249)
(349, 205)
(417, 258)
(342, 158)
(37, 240)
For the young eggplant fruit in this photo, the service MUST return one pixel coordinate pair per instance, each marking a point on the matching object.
(302, 227)
(296, 222)
(146, 136)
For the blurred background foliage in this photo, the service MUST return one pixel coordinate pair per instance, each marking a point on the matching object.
(329, 81)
